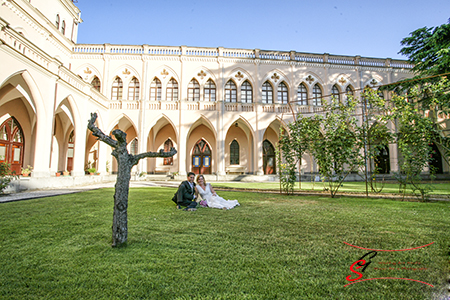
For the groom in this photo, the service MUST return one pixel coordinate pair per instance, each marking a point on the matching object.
(185, 195)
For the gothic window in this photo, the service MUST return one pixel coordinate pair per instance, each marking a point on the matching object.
(168, 161)
(210, 91)
(234, 153)
(282, 93)
(133, 89)
(246, 92)
(335, 93)
(302, 95)
(317, 95)
(96, 83)
(57, 22)
(172, 90)
(267, 93)
(63, 27)
(193, 91)
(117, 88)
(348, 92)
(155, 90)
(230, 91)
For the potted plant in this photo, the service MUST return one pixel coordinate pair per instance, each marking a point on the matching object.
(66, 173)
(26, 171)
(92, 171)
(57, 174)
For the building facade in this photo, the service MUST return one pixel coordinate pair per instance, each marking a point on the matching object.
(222, 109)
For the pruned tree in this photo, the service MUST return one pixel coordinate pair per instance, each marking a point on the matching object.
(125, 162)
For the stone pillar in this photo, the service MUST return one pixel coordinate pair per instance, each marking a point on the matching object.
(79, 154)
(42, 144)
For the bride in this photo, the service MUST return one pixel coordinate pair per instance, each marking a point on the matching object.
(207, 193)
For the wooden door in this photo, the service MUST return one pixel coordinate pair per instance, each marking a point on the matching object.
(12, 144)
(201, 158)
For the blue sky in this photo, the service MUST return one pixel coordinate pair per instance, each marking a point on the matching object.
(366, 28)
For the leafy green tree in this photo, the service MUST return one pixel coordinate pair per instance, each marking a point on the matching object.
(336, 146)
(428, 93)
(414, 133)
(429, 50)
(374, 136)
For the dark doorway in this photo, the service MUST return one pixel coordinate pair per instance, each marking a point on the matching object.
(436, 160)
(382, 162)
(269, 163)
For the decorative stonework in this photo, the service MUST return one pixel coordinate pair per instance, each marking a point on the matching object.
(342, 81)
(164, 73)
(87, 71)
(275, 77)
(310, 79)
(201, 74)
(239, 75)
(373, 82)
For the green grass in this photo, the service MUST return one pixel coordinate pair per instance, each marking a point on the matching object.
(439, 188)
(271, 247)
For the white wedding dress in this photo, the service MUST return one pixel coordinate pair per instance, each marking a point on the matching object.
(215, 201)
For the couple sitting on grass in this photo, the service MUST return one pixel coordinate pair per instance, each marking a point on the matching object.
(189, 193)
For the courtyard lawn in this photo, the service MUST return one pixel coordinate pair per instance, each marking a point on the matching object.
(439, 188)
(271, 247)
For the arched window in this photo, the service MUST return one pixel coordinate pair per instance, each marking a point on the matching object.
(134, 150)
(302, 95)
(210, 91)
(57, 22)
(267, 93)
(117, 88)
(246, 92)
(234, 153)
(155, 90)
(172, 90)
(63, 27)
(317, 95)
(193, 91)
(283, 93)
(96, 83)
(168, 161)
(348, 92)
(335, 93)
(133, 89)
(230, 91)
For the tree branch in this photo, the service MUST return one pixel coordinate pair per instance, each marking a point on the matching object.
(99, 134)
(161, 153)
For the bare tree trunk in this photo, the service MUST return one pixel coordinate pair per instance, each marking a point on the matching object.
(125, 162)
(120, 217)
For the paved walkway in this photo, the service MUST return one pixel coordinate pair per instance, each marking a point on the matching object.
(34, 194)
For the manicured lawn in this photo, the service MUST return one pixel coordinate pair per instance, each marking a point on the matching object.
(439, 188)
(271, 247)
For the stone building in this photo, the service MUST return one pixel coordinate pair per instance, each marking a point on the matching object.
(222, 109)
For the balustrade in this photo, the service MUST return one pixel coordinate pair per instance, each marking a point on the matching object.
(239, 53)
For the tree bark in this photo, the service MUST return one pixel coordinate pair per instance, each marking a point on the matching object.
(125, 162)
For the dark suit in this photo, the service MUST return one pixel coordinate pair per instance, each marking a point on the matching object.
(185, 195)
